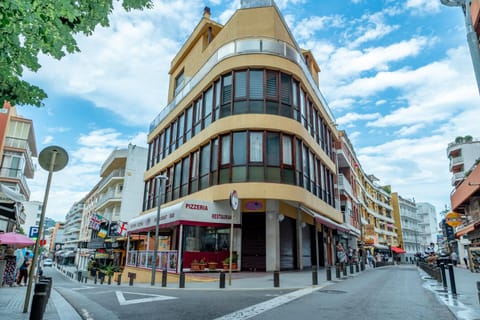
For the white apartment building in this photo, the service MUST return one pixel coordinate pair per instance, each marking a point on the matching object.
(428, 225)
(463, 153)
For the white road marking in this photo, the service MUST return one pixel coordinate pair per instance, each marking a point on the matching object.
(152, 297)
(254, 310)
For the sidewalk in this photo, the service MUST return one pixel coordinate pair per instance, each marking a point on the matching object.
(12, 299)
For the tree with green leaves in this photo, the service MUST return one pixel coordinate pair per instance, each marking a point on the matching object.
(28, 27)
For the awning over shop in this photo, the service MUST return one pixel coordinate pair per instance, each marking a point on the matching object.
(326, 221)
(188, 211)
(467, 229)
(398, 250)
(381, 246)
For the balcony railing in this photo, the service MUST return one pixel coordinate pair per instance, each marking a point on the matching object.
(115, 173)
(143, 259)
(16, 174)
(459, 176)
(20, 144)
(111, 195)
(345, 184)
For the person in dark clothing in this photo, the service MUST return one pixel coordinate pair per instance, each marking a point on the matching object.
(24, 270)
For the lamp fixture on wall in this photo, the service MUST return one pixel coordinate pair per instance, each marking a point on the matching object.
(281, 217)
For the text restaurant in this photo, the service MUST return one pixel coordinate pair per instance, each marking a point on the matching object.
(189, 231)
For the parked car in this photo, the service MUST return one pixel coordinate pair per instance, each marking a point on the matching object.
(47, 262)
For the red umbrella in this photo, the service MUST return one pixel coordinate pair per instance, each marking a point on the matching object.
(15, 240)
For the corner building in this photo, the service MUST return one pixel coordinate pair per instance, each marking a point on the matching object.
(245, 113)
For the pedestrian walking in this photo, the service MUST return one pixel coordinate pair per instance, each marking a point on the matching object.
(454, 258)
(369, 258)
(23, 274)
(466, 262)
(341, 255)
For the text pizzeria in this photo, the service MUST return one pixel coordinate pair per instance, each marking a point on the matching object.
(196, 206)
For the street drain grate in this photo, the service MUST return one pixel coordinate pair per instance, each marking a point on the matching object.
(332, 291)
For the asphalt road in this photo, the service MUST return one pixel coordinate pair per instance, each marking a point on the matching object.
(387, 293)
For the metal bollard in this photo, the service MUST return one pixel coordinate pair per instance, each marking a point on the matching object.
(182, 280)
(109, 279)
(344, 270)
(351, 268)
(39, 301)
(131, 276)
(222, 280)
(337, 271)
(164, 277)
(314, 276)
(119, 279)
(452, 278)
(357, 268)
(95, 279)
(79, 276)
(276, 279)
(362, 265)
(444, 278)
(329, 273)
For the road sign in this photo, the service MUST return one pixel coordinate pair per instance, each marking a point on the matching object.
(234, 200)
(33, 233)
(453, 219)
(43, 242)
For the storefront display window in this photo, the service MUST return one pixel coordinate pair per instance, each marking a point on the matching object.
(206, 239)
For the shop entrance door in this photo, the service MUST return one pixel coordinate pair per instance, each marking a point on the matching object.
(253, 242)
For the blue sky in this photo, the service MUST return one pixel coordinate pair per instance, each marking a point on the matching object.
(397, 76)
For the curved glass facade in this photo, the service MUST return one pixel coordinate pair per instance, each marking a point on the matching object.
(246, 156)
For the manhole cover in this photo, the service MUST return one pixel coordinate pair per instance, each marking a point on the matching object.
(333, 291)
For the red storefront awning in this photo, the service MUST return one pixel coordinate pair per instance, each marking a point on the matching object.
(398, 250)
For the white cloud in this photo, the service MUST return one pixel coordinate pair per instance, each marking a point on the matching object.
(307, 27)
(374, 29)
(423, 6)
(409, 130)
(352, 117)
(47, 139)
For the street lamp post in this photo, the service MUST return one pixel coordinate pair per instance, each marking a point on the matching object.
(472, 37)
(160, 179)
(52, 158)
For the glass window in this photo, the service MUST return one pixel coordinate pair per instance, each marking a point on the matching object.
(188, 124)
(239, 148)
(256, 84)
(208, 97)
(217, 99)
(305, 167)
(177, 180)
(256, 146)
(194, 172)
(227, 89)
(287, 150)
(179, 82)
(226, 50)
(180, 129)
(198, 117)
(272, 84)
(273, 149)
(185, 167)
(286, 89)
(240, 84)
(214, 164)
(204, 166)
(225, 150)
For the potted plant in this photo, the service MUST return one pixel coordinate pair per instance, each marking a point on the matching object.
(212, 265)
(194, 265)
(226, 262)
(202, 264)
